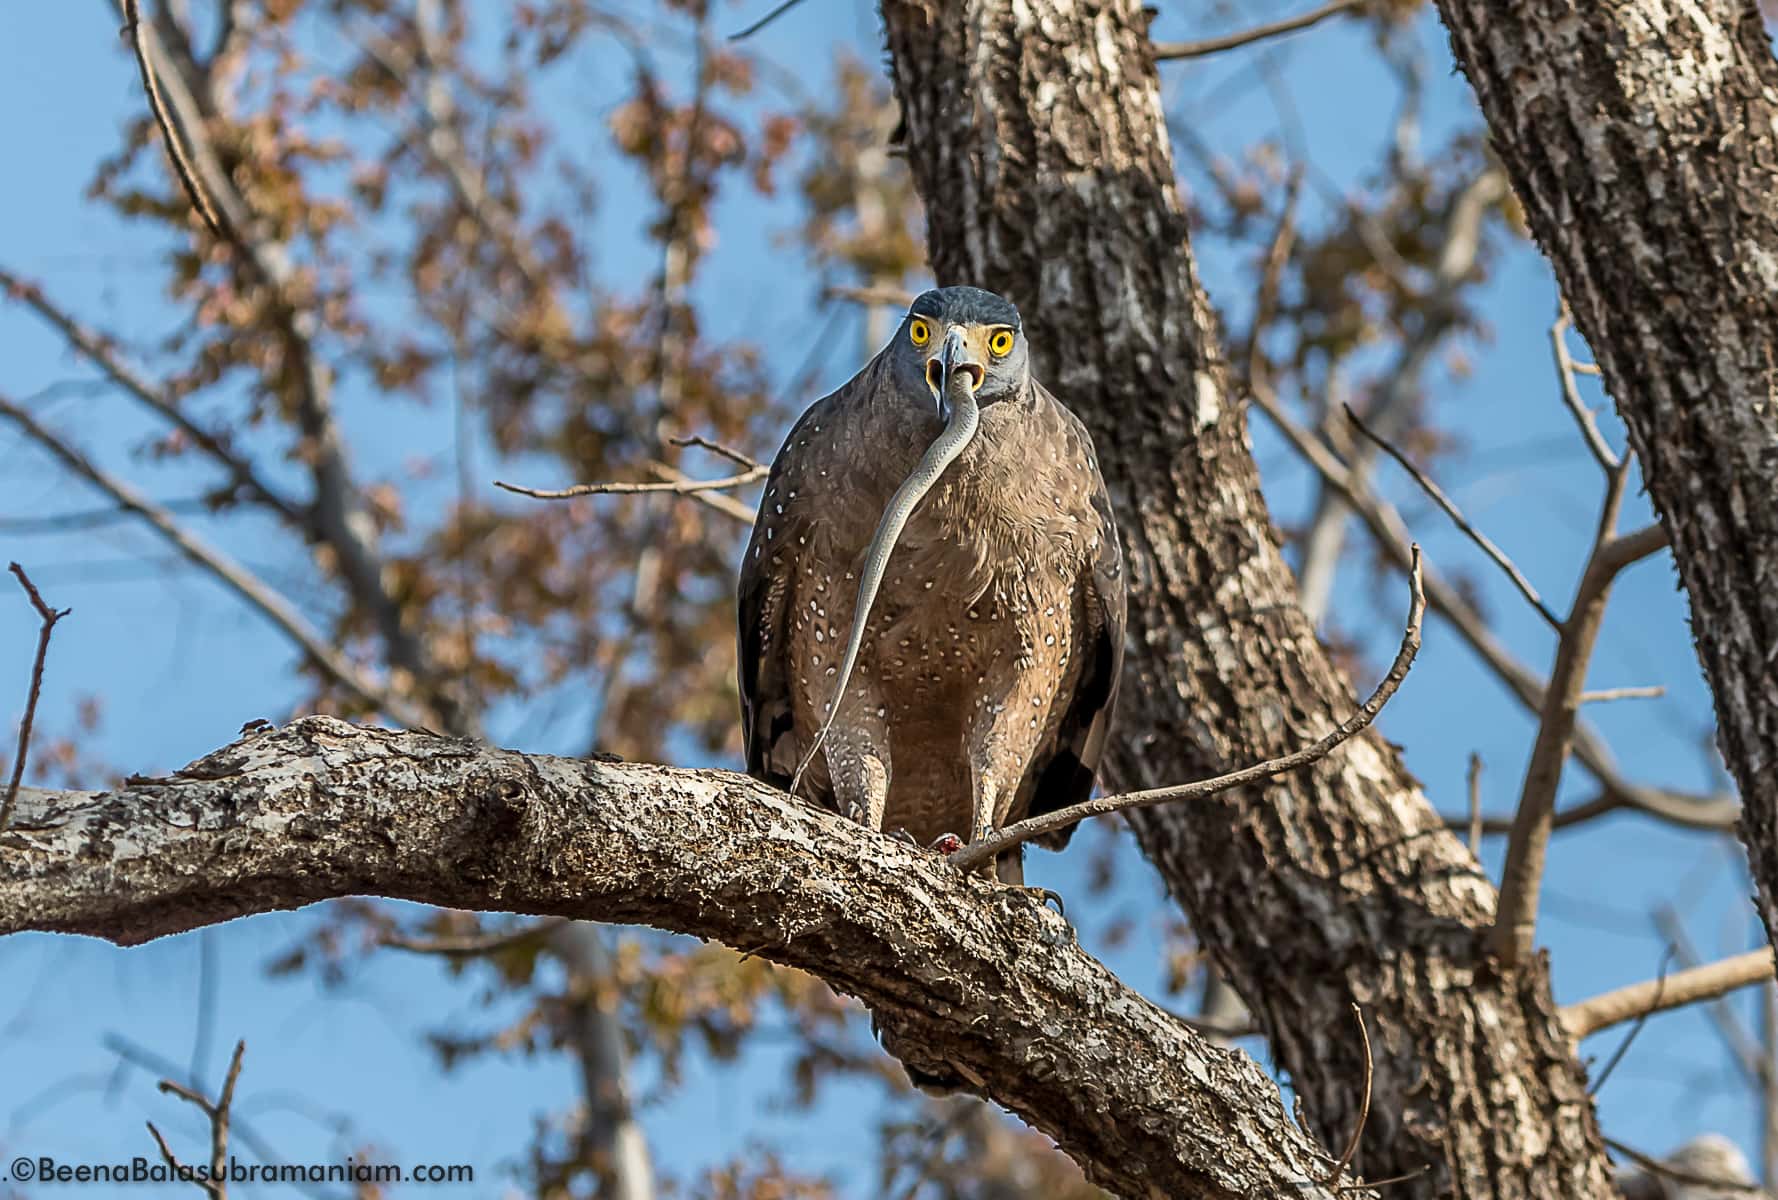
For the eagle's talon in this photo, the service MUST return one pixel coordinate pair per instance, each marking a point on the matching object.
(1045, 896)
(900, 834)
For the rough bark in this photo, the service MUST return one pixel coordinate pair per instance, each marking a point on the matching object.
(1038, 144)
(965, 977)
(1642, 138)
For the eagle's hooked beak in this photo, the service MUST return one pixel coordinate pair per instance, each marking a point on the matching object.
(955, 359)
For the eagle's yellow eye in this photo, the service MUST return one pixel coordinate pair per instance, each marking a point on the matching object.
(919, 332)
(1000, 345)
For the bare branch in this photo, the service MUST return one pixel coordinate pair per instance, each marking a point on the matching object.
(337, 517)
(1024, 831)
(1364, 1104)
(255, 591)
(95, 518)
(1451, 510)
(287, 817)
(1324, 540)
(760, 24)
(685, 487)
(1165, 51)
(1623, 1047)
(1743, 1047)
(1515, 921)
(102, 353)
(157, 104)
(1390, 533)
(725, 504)
(717, 448)
(216, 1182)
(49, 618)
(1583, 416)
(179, 1169)
(1671, 991)
(1605, 695)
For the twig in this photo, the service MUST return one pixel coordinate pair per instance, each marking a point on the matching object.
(729, 452)
(1451, 510)
(1364, 1105)
(216, 1184)
(1655, 1166)
(486, 943)
(1604, 695)
(180, 1170)
(722, 502)
(1024, 831)
(237, 578)
(1165, 51)
(95, 518)
(50, 617)
(239, 1129)
(102, 353)
(685, 487)
(1475, 805)
(157, 104)
(1669, 991)
(1583, 416)
(1515, 923)
(1652, 1005)
(1390, 533)
(1746, 1050)
(764, 21)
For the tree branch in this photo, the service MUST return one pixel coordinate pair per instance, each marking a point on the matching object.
(680, 487)
(1600, 449)
(157, 104)
(1165, 51)
(1670, 991)
(258, 595)
(99, 350)
(1515, 922)
(1023, 831)
(966, 978)
(1462, 522)
(1391, 535)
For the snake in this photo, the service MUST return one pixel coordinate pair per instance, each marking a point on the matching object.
(964, 420)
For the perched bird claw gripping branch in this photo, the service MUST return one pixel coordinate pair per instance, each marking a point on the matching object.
(987, 660)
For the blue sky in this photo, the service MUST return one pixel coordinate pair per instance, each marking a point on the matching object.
(181, 665)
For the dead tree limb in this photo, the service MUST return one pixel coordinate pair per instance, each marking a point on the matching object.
(969, 979)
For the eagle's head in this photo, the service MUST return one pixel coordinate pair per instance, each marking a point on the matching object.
(963, 331)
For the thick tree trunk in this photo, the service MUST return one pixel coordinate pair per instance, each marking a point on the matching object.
(967, 979)
(1642, 137)
(1039, 147)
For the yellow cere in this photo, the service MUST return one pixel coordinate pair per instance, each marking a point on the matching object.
(919, 332)
(1000, 345)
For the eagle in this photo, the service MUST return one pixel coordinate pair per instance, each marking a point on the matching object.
(987, 675)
